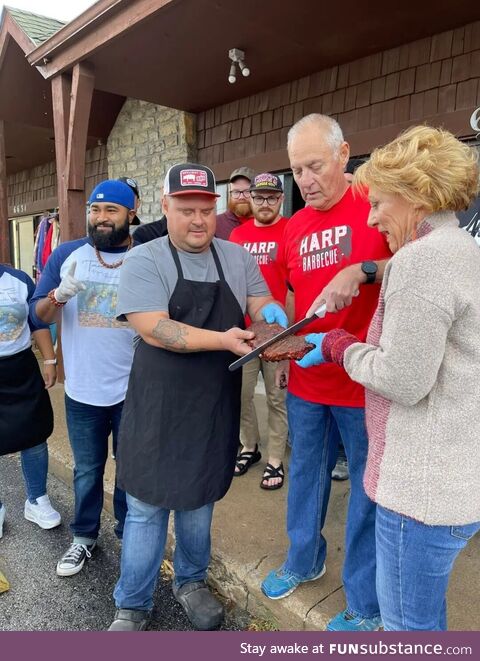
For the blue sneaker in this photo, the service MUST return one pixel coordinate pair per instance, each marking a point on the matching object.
(282, 582)
(345, 621)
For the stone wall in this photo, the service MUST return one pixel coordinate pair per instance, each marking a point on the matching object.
(146, 140)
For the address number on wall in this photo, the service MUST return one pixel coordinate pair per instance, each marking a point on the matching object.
(19, 208)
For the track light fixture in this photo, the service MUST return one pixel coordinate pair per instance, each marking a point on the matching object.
(237, 56)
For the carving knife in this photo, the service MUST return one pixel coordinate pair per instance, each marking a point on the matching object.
(318, 314)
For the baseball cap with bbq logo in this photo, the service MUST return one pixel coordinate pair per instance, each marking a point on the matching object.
(190, 179)
(267, 182)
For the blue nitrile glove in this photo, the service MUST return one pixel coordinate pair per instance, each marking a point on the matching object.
(273, 313)
(315, 356)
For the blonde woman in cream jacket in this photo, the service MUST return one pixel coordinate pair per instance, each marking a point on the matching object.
(421, 370)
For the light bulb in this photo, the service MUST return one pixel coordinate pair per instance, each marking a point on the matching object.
(231, 76)
(244, 68)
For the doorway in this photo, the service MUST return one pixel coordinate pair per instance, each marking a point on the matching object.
(23, 240)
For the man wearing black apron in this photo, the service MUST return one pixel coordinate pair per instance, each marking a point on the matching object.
(186, 295)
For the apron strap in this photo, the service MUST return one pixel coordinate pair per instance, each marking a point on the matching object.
(176, 259)
(216, 259)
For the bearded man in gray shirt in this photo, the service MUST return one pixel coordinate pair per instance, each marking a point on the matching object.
(186, 295)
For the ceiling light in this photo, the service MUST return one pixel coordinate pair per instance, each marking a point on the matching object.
(237, 56)
(231, 76)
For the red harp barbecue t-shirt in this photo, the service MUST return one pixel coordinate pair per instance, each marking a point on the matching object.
(317, 245)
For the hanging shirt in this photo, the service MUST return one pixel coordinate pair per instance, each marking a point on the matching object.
(97, 349)
(16, 290)
(317, 245)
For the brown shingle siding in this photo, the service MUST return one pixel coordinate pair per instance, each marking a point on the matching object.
(441, 46)
(427, 76)
(461, 67)
(350, 97)
(363, 94)
(406, 83)
(466, 94)
(458, 41)
(378, 89)
(472, 37)
(446, 72)
(365, 69)
(390, 61)
(391, 86)
(419, 52)
(446, 98)
(423, 79)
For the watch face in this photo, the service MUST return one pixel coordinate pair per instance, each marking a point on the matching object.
(369, 268)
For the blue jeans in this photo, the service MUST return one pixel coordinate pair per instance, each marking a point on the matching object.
(35, 469)
(315, 430)
(414, 562)
(143, 547)
(89, 428)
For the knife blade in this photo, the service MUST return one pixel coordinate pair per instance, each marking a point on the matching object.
(318, 314)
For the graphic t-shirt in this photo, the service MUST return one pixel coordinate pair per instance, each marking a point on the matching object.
(317, 245)
(263, 243)
(16, 289)
(149, 275)
(97, 349)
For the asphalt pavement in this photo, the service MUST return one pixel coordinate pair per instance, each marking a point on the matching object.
(38, 599)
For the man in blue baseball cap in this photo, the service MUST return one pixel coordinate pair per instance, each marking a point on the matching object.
(79, 284)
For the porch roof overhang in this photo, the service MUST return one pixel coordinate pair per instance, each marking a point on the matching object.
(175, 52)
(26, 104)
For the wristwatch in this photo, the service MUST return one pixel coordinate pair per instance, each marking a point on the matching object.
(370, 269)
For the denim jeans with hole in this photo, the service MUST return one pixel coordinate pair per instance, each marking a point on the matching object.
(143, 547)
(88, 429)
(414, 562)
(314, 432)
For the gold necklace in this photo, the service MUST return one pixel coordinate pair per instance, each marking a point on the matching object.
(114, 265)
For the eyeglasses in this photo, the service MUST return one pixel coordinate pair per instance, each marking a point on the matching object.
(237, 194)
(271, 200)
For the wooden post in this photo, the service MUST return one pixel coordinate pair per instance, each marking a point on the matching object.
(4, 224)
(71, 111)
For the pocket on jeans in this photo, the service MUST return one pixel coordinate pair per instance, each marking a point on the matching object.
(465, 532)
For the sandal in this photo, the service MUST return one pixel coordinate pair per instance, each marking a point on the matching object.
(245, 460)
(269, 472)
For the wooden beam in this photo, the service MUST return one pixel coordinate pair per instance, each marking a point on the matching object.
(92, 30)
(4, 224)
(81, 100)
(61, 112)
(71, 99)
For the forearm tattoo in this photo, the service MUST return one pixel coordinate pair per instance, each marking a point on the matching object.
(171, 334)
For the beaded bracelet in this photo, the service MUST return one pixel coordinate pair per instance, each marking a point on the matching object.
(51, 297)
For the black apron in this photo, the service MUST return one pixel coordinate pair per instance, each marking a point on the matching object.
(180, 424)
(26, 416)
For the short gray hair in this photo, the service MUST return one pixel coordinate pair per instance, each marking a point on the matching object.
(334, 134)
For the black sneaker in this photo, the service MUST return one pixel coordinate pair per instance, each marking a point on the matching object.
(74, 559)
(203, 610)
(127, 619)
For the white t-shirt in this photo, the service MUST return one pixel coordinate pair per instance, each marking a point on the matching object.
(97, 349)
